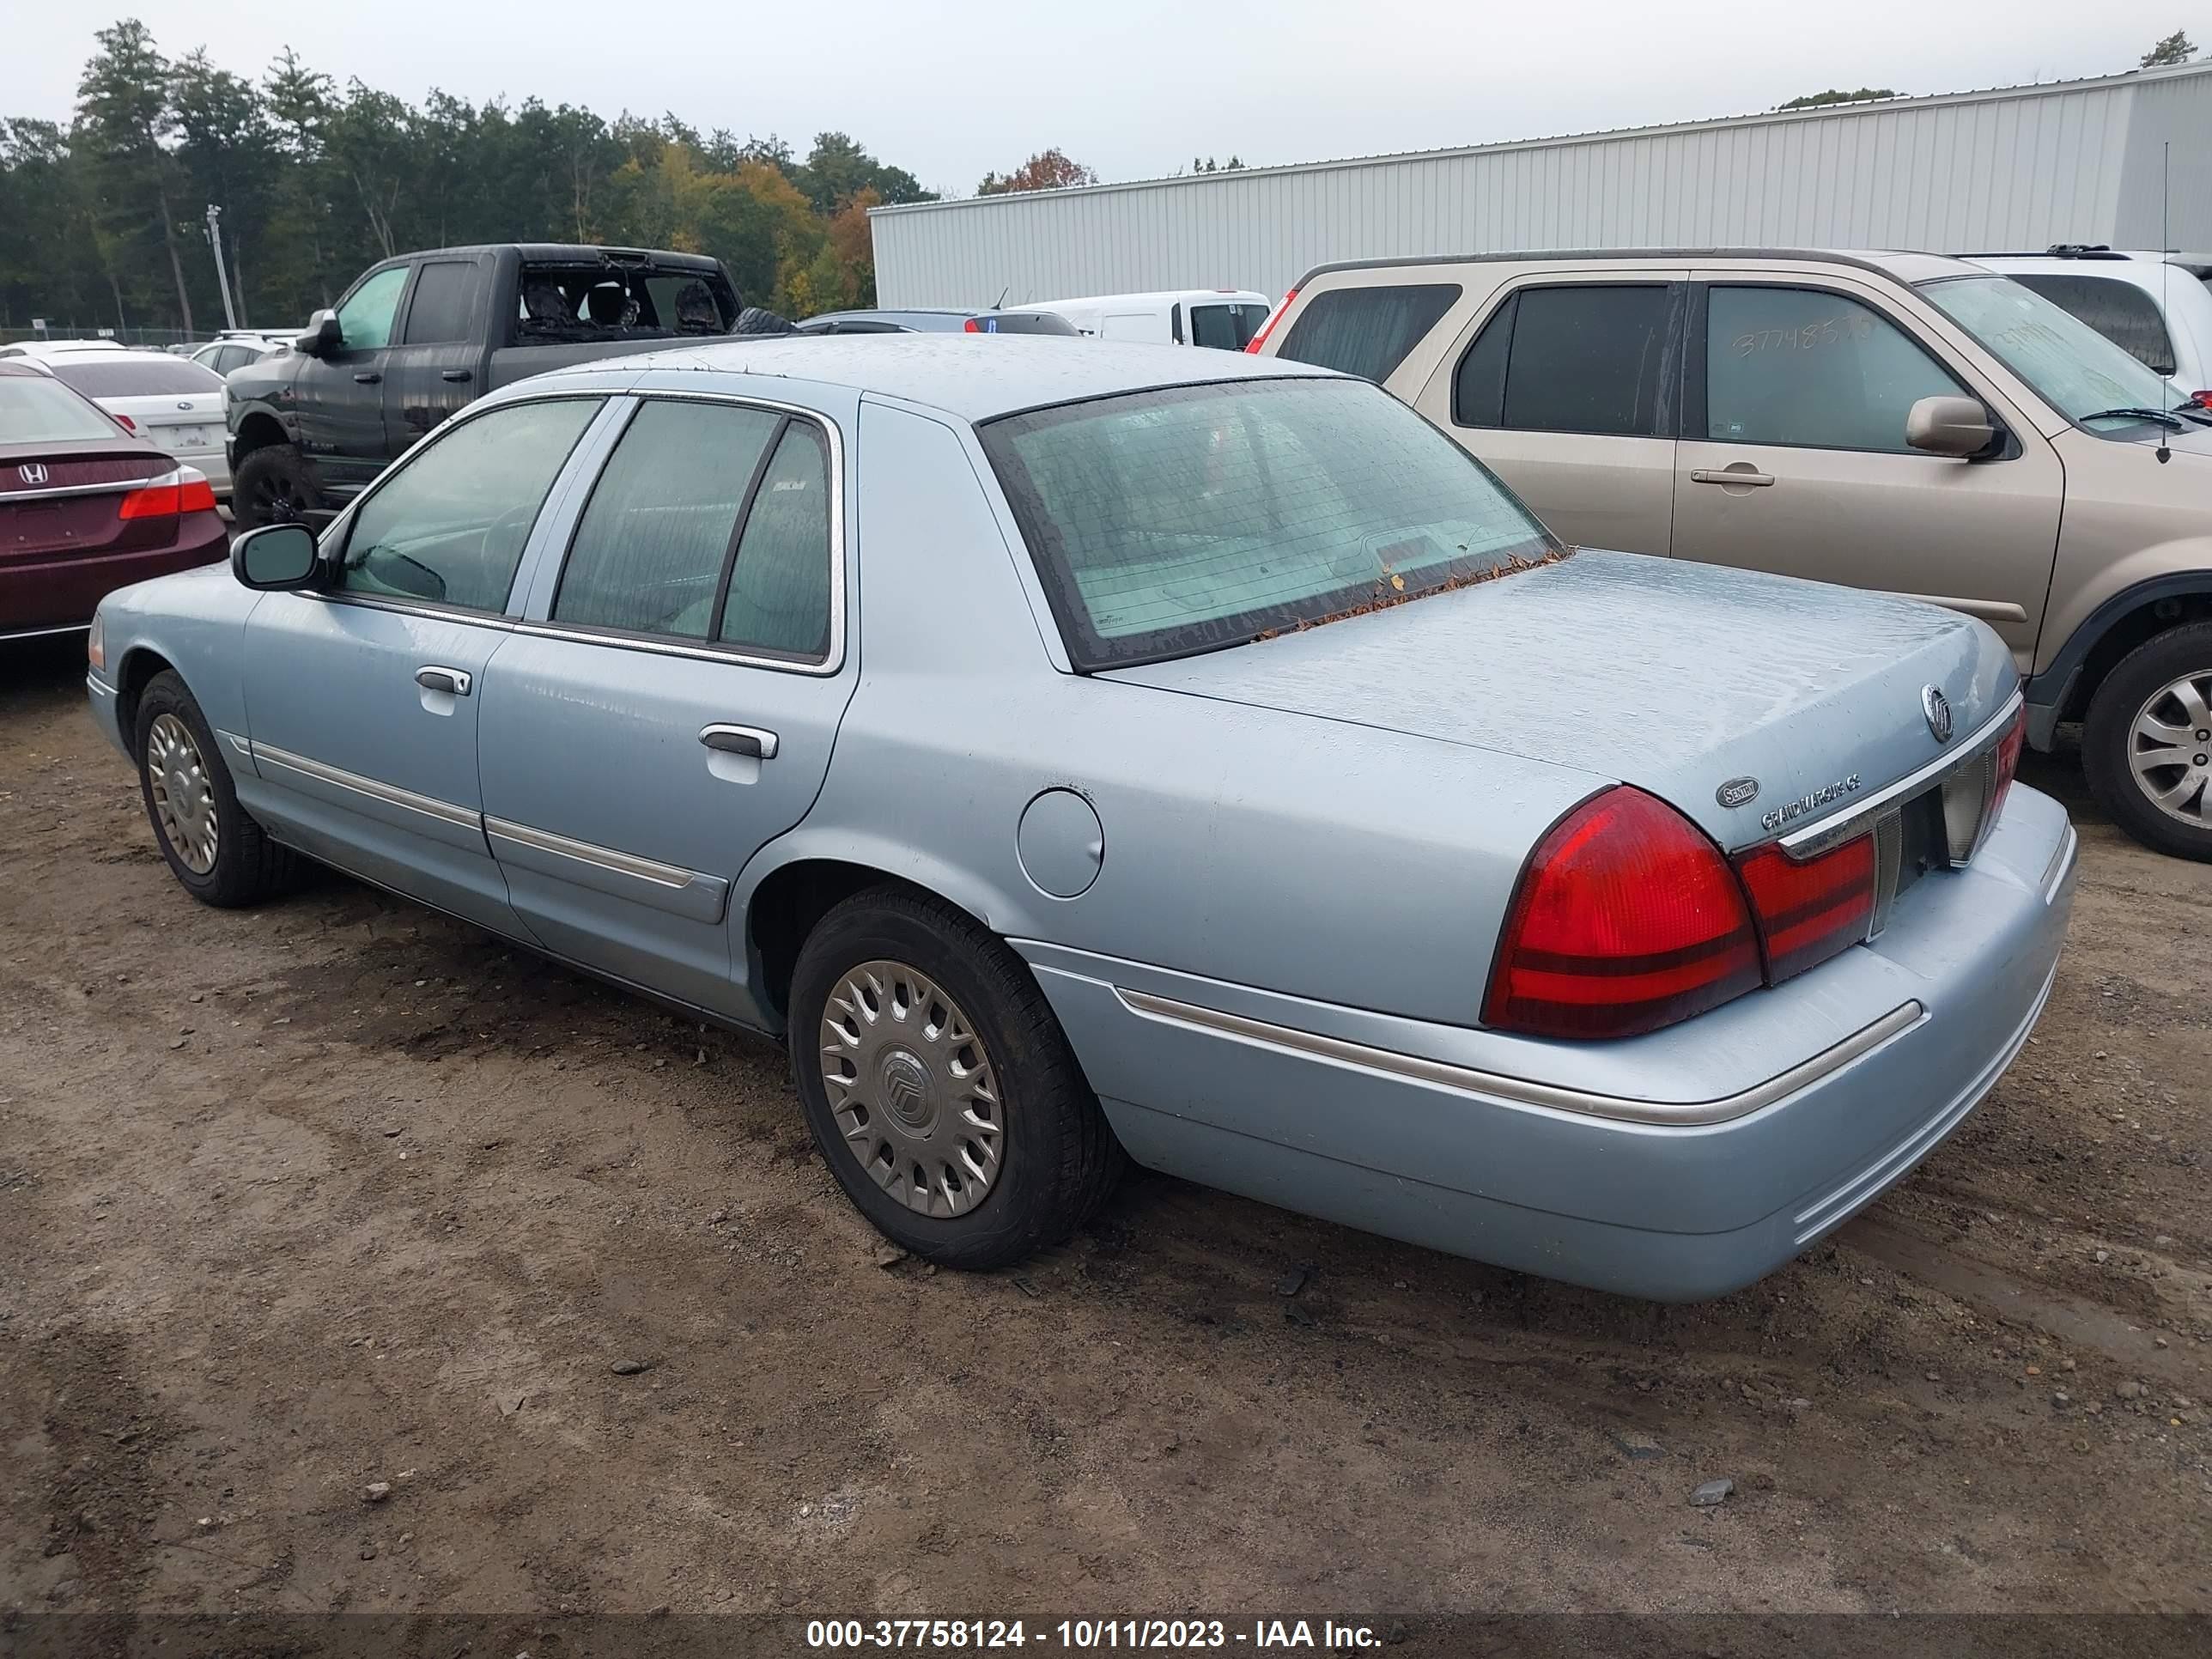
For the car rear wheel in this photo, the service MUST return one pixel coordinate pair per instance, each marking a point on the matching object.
(938, 1085)
(2147, 743)
(220, 854)
(272, 486)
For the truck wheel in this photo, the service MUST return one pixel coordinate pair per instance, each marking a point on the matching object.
(2147, 745)
(272, 486)
(219, 854)
(938, 1085)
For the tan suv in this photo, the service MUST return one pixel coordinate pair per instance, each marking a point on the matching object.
(1894, 420)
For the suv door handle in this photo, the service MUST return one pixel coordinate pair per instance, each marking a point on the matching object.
(740, 740)
(456, 375)
(367, 377)
(454, 682)
(1729, 476)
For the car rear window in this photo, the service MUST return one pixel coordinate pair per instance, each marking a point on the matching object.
(34, 409)
(1230, 326)
(1018, 322)
(1367, 332)
(148, 377)
(1173, 521)
(2120, 311)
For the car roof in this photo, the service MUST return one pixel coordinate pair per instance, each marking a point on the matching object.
(1904, 265)
(1152, 297)
(975, 377)
(132, 355)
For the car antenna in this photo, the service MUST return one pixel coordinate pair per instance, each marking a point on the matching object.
(999, 303)
(2166, 267)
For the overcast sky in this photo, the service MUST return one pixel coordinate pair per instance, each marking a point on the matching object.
(1134, 88)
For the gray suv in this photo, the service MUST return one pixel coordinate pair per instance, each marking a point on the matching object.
(1894, 421)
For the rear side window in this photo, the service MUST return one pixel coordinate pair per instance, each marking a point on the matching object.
(2120, 311)
(1228, 328)
(779, 595)
(1367, 332)
(445, 303)
(650, 551)
(1589, 358)
(135, 377)
(448, 525)
(1019, 322)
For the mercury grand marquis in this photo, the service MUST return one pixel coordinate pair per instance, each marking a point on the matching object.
(1081, 755)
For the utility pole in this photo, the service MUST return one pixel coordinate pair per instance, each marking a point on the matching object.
(222, 276)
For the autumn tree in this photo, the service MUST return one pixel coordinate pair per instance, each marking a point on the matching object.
(1046, 170)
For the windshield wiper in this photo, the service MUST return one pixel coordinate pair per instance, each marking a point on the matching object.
(2171, 422)
(2194, 411)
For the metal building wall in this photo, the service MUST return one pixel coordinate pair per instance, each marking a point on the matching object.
(2014, 168)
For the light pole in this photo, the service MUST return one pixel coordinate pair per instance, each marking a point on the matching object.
(221, 274)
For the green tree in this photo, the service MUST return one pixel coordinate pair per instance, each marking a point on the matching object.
(1835, 95)
(123, 115)
(226, 152)
(2176, 48)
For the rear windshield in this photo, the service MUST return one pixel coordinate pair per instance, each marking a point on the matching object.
(136, 378)
(569, 303)
(34, 409)
(1019, 322)
(1165, 523)
(1230, 326)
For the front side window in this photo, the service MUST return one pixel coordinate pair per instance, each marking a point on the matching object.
(2120, 311)
(1183, 520)
(1367, 332)
(365, 319)
(1228, 328)
(1587, 357)
(448, 525)
(1813, 370)
(652, 544)
(2074, 369)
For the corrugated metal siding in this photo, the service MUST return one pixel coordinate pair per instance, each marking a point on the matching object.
(2176, 112)
(2009, 169)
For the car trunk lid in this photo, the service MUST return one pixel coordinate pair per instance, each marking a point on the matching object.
(1752, 703)
(62, 498)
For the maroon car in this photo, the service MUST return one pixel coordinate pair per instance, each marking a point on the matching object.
(85, 507)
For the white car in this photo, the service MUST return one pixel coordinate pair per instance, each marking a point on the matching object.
(235, 350)
(1224, 317)
(46, 350)
(2156, 306)
(176, 403)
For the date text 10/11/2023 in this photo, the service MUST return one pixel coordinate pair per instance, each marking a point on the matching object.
(1083, 1635)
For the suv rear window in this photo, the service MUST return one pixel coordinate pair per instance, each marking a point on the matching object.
(135, 377)
(1173, 521)
(1367, 332)
(630, 302)
(1018, 322)
(2120, 311)
(1230, 326)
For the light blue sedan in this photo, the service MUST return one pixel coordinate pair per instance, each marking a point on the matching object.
(1074, 755)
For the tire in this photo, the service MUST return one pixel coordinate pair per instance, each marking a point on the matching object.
(1052, 1158)
(273, 486)
(184, 780)
(2165, 682)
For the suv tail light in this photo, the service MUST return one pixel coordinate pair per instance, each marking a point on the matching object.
(1811, 911)
(1626, 919)
(186, 489)
(2201, 400)
(125, 422)
(1267, 328)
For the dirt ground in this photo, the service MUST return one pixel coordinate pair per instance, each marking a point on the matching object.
(337, 1192)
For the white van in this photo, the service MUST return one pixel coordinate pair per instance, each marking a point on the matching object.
(1224, 317)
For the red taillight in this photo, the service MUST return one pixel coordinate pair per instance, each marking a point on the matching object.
(1268, 327)
(1809, 912)
(1626, 919)
(2201, 400)
(971, 326)
(126, 423)
(184, 491)
(2008, 748)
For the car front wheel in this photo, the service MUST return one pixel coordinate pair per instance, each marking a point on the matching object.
(2147, 743)
(221, 855)
(939, 1086)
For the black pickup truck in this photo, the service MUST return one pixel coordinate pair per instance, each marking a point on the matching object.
(419, 336)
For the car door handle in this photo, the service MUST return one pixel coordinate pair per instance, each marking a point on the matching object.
(367, 377)
(1725, 475)
(740, 740)
(453, 682)
(456, 375)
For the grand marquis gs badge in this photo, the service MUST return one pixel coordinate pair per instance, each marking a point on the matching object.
(1790, 811)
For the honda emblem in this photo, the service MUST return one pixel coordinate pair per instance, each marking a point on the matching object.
(32, 472)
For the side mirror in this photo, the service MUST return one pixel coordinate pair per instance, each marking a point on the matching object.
(1949, 426)
(322, 335)
(275, 558)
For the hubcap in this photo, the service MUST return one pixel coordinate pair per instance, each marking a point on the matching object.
(912, 1088)
(184, 799)
(2170, 750)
